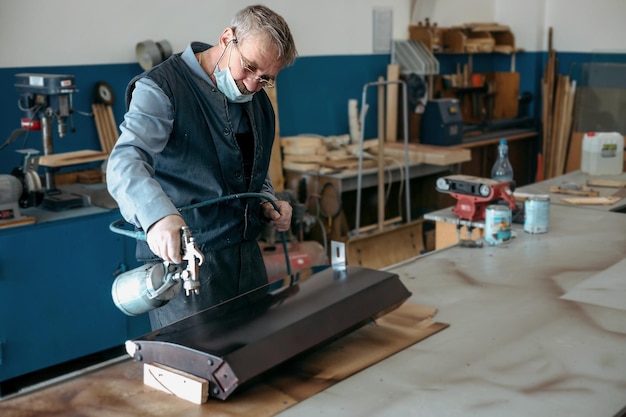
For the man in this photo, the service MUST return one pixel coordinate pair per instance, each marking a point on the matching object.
(199, 127)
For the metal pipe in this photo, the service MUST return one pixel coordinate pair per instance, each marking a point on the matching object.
(364, 108)
(46, 132)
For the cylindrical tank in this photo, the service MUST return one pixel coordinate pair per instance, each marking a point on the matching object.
(143, 289)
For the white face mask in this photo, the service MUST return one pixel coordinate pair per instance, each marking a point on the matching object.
(226, 83)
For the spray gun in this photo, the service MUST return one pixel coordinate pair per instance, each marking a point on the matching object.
(153, 285)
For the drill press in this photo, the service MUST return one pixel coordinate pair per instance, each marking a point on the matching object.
(45, 99)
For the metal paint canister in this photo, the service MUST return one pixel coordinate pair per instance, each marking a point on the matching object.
(537, 214)
(497, 224)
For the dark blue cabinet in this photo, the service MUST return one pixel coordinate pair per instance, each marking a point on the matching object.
(55, 292)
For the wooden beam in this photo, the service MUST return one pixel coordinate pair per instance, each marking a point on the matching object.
(391, 127)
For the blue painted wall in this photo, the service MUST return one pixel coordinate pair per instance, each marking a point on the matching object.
(313, 94)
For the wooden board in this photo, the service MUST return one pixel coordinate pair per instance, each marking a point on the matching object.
(301, 166)
(306, 158)
(389, 247)
(506, 87)
(583, 191)
(348, 163)
(72, 158)
(428, 154)
(22, 221)
(592, 201)
(600, 182)
(305, 150)
(276, 162)
(574, 153)
(105, 125)
(118, 390)
(391, 109)
(302, 140)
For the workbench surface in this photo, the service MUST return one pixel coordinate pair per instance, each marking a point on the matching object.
(577, 178)
(514, 347)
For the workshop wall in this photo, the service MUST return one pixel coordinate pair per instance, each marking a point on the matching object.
(95, 41)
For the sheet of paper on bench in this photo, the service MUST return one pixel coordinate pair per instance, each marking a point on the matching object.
(606, 288)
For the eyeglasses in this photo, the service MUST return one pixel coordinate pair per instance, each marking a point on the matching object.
(264, 80)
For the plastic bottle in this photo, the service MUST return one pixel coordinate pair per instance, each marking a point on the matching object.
(602, 153)
(502, 169)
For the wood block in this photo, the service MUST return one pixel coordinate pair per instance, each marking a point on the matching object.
(391, 246)
(301, 166)
(592, 201)
(302, 140)
(599, 182)
(178, 383)
(304, 150)
(583, 191)
(17, 222)
(304, 158)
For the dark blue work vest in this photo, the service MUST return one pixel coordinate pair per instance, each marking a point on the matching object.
(202, 159)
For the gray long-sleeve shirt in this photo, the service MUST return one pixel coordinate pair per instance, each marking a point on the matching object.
(145, 132)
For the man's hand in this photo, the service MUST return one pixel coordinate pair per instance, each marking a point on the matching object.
(281, 219)
(163, 237)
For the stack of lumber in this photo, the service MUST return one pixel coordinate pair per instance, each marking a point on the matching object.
(303, 153)
(321, 155)
(558, 94)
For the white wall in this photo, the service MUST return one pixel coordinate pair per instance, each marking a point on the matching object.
(453, 12)
(527, 22)
(578, 25)
(587, 25)
(76, 32)
(84, 32)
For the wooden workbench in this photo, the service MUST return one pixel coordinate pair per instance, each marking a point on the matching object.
(519, 344)
(516, 345)
(116, 388)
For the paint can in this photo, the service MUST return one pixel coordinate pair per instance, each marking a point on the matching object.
(497, 224)
(537, 214)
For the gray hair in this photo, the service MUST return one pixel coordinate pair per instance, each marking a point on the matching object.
(259, 19)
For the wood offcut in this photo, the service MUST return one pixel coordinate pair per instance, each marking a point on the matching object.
(105, 125)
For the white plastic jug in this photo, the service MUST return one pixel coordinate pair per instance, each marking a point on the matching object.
(602, 153)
